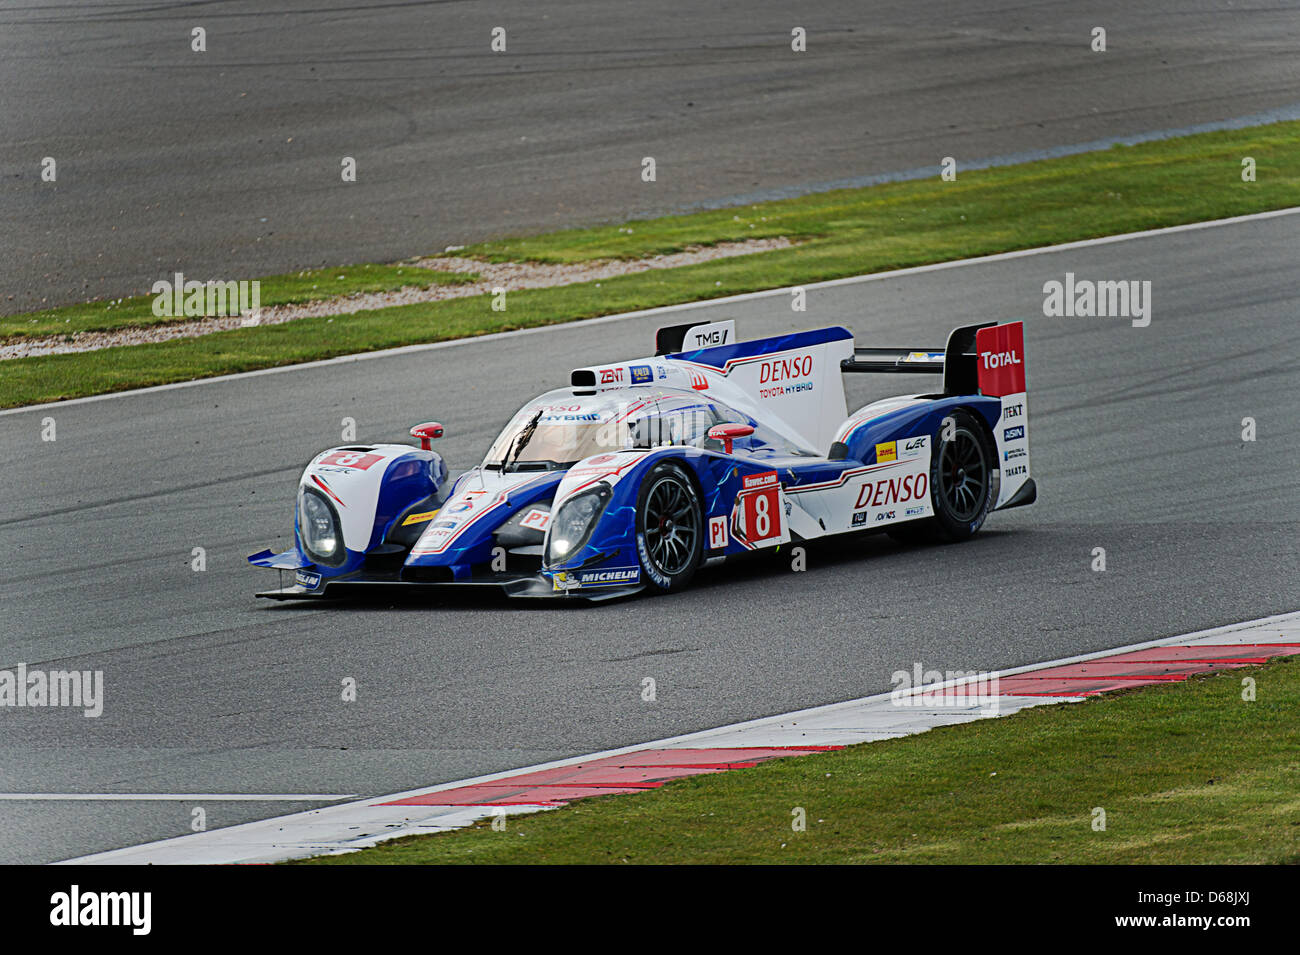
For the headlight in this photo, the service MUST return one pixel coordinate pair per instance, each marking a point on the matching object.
(318, 529)
(571, 527)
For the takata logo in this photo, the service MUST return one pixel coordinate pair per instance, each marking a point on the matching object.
(999, 359)
(781, 369)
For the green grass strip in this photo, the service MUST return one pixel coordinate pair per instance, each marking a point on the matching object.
(841, 233)
(1185, 772)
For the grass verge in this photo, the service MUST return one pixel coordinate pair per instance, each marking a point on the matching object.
(307, 286)
(841, 233)
(1186, 773)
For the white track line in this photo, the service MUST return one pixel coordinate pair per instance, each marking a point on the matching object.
(176, 797)
(682, 306)
(348, 826)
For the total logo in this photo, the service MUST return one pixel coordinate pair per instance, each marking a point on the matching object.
(999, 359)
(1014, 434)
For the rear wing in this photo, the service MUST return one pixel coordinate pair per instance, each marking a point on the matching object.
(978, 359)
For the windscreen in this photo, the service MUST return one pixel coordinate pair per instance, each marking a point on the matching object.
(558, 429)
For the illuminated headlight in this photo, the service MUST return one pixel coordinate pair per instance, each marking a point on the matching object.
(318, 529)
(571, 527)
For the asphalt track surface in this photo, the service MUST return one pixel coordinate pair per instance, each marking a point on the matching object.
(1137, 448)
(226, 164)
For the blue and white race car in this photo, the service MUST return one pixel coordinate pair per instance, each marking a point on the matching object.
(639, 473)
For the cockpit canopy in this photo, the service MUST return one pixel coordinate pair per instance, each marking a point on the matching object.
(559, 429)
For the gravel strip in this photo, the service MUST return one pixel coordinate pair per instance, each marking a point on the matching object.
(511, 276)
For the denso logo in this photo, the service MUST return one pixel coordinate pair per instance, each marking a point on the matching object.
(782, 368)
(893, 490)
(999, 359)
(1014, 434)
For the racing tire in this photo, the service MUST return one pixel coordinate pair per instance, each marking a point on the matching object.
(962, 484)
(669, 528)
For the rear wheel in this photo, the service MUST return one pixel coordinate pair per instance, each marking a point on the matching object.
(961, 483)
(669, 527)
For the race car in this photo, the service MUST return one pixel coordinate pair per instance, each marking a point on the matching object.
(639, 473)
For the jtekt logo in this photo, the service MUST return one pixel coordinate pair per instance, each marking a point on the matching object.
(75, 907)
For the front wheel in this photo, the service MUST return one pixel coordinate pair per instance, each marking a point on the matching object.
(669, 527)
(962, 466)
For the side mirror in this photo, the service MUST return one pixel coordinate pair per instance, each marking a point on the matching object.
(727, 433)
(427, 432)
